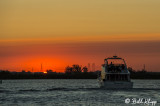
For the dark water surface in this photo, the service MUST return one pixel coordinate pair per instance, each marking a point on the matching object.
(77, 92)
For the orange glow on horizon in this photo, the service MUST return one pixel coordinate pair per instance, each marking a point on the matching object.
(35, 64)
(45, 63)
(45, 72)
(29, 54)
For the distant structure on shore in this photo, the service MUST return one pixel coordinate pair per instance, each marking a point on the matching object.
(41, 67)
(144, 67)
(91, 68)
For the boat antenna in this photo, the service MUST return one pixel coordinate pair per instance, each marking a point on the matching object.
(144, 67)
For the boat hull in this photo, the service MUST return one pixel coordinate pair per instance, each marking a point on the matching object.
(116, 84)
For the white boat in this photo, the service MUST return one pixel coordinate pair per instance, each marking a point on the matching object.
(114, 74)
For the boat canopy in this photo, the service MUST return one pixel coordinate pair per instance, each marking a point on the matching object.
(114, 57)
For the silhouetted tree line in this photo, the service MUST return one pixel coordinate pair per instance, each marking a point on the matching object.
(75, 69)
(73, 72)
(143, 74)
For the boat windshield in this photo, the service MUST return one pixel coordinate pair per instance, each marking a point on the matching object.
(115, 62)
(116, 65)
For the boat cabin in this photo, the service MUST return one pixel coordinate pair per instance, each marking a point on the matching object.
(115, 69)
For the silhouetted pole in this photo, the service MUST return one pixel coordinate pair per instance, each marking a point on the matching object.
(41, 68)
(93, 67)
(89, 69)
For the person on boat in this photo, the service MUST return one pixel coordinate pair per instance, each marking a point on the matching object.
(111, 66)
(123, 66)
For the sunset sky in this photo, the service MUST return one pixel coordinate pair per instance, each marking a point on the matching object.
(57, 33)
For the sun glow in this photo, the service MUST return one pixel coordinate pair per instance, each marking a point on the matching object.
(41, 64)
(45, 72)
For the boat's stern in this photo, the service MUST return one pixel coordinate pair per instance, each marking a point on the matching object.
(114, 74)
(116, 84)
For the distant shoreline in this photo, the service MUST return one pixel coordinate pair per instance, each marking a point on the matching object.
(70, 79)
(7, 75)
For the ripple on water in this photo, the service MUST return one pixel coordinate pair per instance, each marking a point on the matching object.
(72, 92)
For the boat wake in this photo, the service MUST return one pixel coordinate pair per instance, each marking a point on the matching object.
(80, 89)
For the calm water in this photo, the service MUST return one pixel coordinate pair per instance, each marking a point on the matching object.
(73, 93)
